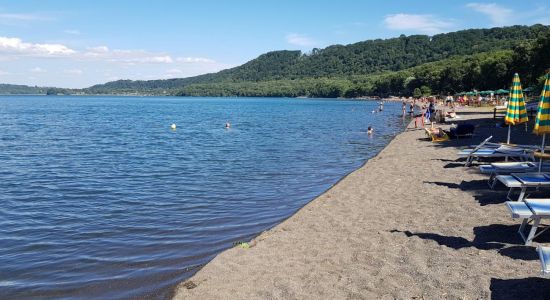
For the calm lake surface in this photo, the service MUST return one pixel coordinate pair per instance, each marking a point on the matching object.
(101, 199)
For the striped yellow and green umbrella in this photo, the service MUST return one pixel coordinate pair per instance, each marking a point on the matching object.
(542, 122)
(516, 112)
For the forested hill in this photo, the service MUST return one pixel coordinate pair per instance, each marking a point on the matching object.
(374, 67)
(360, 59)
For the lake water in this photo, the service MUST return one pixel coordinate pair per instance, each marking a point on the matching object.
(101, 199)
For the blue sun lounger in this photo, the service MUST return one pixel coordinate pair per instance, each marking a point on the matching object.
(523, 181)
(507, 168)
(530, 211)
(506, 151)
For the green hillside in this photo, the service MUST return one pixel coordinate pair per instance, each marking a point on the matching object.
(444, 63)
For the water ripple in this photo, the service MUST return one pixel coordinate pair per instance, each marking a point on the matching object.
(102, 200)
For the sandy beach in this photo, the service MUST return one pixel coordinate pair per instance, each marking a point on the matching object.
(412, 223)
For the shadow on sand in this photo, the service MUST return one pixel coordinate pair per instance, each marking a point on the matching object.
(525, 288)
(503, 238)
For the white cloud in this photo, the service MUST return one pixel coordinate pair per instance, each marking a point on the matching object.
(73, 71)
(72, 31)
(300, 40)
(127, 56)
(37, 70)
(23, 20)
(498, 15)
(17, 46)
(23, 17)
(194, 60)
(428, 24)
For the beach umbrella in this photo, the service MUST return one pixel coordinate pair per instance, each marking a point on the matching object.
(516, 112)
(542, 122)
(501, 91)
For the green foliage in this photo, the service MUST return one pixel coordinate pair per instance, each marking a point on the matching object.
(426, 90)
(417, 93)
(414, 65)
(13, 89)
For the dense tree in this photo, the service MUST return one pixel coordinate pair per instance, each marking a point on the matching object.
(444, 64)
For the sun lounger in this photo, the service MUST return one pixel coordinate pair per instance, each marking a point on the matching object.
(544, 255)
(437, 134)
(516, 153)
(506, 168)
(472, 151)
(531, 211)
(523, 181)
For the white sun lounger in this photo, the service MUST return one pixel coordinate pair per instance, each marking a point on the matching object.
(506, 151)
(531, 211)
(506, 168)
(544, 255)
(523, 181)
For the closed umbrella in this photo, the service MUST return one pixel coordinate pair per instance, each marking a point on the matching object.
(516, 112)
(542, 122)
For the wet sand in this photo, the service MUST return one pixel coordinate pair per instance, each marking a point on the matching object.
(412, 223)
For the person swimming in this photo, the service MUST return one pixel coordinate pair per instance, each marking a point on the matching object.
(369, 130)
(227, 125)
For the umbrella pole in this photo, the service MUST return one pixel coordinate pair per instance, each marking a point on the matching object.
(508, 140)
(542, 152)
(509, 129)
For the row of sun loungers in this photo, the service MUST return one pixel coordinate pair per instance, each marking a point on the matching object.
(519, 176)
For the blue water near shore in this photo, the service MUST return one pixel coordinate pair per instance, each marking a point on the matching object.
(101, 199)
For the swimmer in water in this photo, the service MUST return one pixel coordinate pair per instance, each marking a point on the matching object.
(227, 125)
(369, 130)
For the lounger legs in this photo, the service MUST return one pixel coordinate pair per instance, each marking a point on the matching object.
(532, 232)
(492, 180)
(522, 194)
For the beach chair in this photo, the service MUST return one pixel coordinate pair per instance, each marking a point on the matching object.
(515, 153)
(523, 181)
(436, 134)
(474, 150)
(544, 256)
(531, 211)
(507, 168)
(505, 151)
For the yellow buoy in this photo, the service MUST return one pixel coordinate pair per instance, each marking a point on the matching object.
(173, 126)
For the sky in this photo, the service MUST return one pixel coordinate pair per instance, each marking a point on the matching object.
(75, 44)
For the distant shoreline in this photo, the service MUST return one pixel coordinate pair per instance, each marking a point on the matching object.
(367, 98)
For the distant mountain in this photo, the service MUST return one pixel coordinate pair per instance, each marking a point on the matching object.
(364, 67)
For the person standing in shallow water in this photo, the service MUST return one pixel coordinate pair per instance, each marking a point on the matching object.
(370, 130)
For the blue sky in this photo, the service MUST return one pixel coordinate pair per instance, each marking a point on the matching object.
(80, 43)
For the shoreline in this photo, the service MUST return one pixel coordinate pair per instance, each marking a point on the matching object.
(410, 222)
